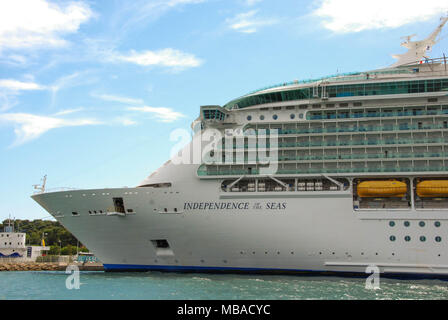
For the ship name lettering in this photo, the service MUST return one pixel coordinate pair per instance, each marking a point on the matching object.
(216, 205)
(276, 205)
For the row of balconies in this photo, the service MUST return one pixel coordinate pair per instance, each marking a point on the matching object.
(370, 169)
(335, 143)
(374, 114)
(401, 127)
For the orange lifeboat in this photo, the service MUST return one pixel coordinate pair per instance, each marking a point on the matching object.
(432, 188)
(388, 188)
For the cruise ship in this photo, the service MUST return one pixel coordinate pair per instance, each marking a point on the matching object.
(326, 176)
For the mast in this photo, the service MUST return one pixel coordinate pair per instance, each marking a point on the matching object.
(41, 187)
(417, 50)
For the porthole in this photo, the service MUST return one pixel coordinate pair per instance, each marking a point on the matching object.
(392, 223)
(407, 238)
(301, 116)
(261, 117)
(421, 224)
(392, 238)
(422, 238)
(275, 117)
(438, 239)
(437, 224)
(407, 223)
(249, 118)
(292, 116)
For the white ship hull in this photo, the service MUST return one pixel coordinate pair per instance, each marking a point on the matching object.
(300, 232)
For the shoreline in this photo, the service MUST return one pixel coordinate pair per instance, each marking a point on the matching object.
(48, 266)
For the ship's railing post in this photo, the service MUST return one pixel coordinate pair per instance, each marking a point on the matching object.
(411, 184)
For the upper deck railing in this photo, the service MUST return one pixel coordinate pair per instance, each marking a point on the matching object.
(412, 68)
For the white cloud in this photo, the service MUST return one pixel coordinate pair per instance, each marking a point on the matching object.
(126, 122)
(68, 111)
(170, 58)
(248, 23)
(252, 2)
(345, 16)
(162, 114)
(29, 127)
(173, 3)
(138, 13)
(10, 89)
(27, 23)
(15, 85)
(113, 98)
(80, 78)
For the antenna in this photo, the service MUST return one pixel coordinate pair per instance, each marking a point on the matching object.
(417, 50)
(41, 187)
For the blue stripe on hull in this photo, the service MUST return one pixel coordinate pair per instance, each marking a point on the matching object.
(230, 270)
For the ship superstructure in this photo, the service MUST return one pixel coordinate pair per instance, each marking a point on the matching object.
(327, 175)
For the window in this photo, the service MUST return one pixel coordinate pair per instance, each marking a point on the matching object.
(401, 87)
(292, 116)
(422, 238)
(74, 213)
(392, 238)
(160, 244)
(261, 117)
(119, 205)
(275, 117)
(157, 185)
(407, 238)
(438, 239)
(249, 118)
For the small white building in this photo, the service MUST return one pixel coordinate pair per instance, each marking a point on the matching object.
(13, 245)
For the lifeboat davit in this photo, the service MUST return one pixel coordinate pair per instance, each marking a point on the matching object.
(432, 188)
(388, 188)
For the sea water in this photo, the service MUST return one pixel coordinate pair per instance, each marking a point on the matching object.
(155, 285)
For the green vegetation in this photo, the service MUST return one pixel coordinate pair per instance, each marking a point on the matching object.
(55, 235)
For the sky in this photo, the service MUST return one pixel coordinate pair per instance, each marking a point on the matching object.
(90, 90)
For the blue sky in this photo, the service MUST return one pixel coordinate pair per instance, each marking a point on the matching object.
(91, 90)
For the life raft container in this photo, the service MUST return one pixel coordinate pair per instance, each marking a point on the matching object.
(387, 188)
(432, 188)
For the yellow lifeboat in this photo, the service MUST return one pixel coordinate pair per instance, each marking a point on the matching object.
(432, 188)
(388, 188)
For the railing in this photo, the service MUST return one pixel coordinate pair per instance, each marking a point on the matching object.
(313, 116)
(204, 172)
(401, 127)
(365, 156)
(368, 142)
